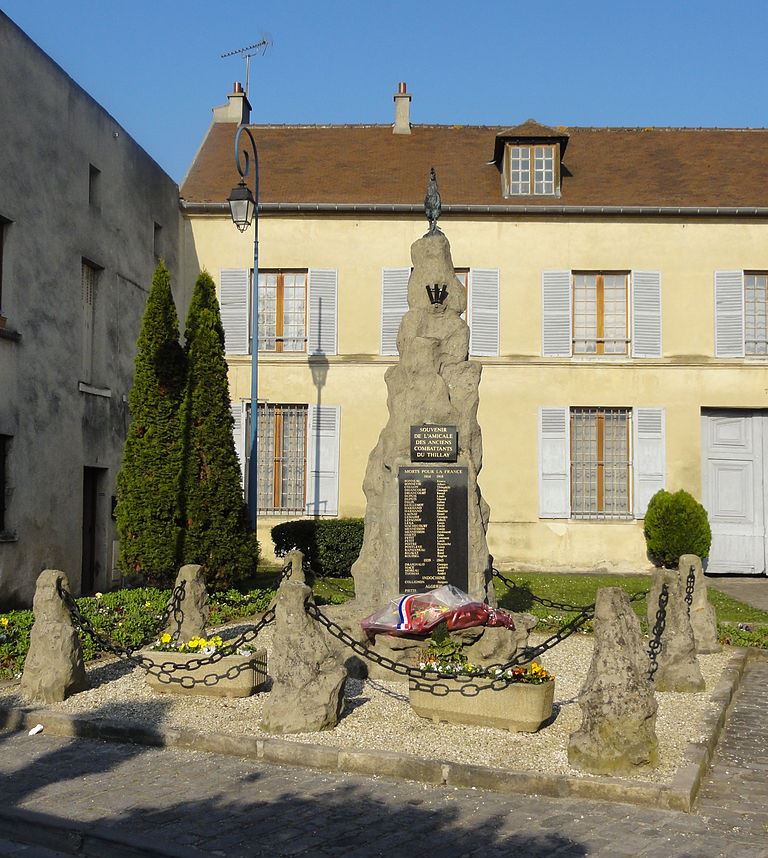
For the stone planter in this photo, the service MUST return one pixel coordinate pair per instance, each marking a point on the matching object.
(232, 676)
(519, 707)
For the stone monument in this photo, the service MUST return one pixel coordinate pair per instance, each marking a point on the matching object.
(426, 520)
(53, 668)
(618, 729)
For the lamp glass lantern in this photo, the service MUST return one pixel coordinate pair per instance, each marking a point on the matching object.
(241, 206)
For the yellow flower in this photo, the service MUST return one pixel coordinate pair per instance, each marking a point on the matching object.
(147, 604)
(165, 638)
(4, 621)
(98, 595)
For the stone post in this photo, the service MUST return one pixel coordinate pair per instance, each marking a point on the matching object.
(678, 669)
(703, 616)
(308, 680)
(618, 729)
(190, 618)
(53, 669)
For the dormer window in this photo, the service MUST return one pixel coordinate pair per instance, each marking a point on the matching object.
(532, 170)
(528, 157)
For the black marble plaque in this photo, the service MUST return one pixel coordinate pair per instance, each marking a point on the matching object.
(433, 442)
(433, 527)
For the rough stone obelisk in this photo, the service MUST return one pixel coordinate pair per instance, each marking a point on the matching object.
(433, 383)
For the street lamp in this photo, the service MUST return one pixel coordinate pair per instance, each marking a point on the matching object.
(244, 208)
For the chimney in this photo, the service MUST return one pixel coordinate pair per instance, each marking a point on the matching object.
(237, 109)
(402, 99)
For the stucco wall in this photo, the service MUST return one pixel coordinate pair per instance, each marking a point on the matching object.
(52, 132)
(517, 383)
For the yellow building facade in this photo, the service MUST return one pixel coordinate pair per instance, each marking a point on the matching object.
(623, 350)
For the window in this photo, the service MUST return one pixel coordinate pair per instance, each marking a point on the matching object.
(600, 313)
(88, 296)
(532, 170)
(282, 311)
(5, 442)
(755, 302)
(600, 462)
(93, 185)
(282, 467)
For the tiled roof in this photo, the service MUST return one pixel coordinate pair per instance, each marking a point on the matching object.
(368, 164)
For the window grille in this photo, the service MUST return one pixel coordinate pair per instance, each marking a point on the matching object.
(282, 464)
(533, 170)
(600, 463)
(755, 303)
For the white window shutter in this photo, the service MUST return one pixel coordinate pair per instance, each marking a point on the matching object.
(394, 305)
(646, 314)
(729, 313)
(649, 456)
(234, 301)
(554, 463)
(322, 311)
(238, 434)
(484, 312)
(323, 430)
(556, 314)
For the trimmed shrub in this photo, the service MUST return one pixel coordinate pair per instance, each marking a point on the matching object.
(675, 524)
(148, 483)
(330, 546)
(213, 511)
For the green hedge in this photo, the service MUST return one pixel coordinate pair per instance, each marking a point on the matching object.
(126, 617)
(675, 524)
(330, 546)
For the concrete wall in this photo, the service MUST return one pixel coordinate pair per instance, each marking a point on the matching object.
(520, 381)
(52, 132)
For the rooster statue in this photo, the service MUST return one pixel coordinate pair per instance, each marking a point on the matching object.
(432, 203)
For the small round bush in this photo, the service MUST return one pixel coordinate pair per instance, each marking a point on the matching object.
(675, 524)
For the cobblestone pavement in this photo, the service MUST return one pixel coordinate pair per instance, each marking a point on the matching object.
(198, 804)
(749, 589)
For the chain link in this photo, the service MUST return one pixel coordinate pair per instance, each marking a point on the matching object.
(690, 585)
(164, 670)
(654, 646)
(547, 603)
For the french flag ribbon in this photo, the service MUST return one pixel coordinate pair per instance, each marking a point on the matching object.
(404, 612)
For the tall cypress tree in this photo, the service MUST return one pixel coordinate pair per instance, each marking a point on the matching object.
(147, 485)
(216, 532)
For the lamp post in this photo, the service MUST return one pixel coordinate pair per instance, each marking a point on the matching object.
(244, 208)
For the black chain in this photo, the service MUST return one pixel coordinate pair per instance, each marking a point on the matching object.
(164, 670)
(547, 603)
(524, 657)
(690, 585)
(654, 646)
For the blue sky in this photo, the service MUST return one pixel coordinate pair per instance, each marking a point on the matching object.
(155, 65)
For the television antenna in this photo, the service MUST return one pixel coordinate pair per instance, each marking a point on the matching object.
(247, 52)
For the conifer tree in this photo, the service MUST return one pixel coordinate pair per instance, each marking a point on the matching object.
(147, 485)
(214, 512)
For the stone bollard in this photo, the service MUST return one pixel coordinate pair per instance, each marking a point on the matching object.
(308, 680)
(678, 669)
(296, 559)
(190, 617)
(702, 613)
(53, 668)
(618, 729)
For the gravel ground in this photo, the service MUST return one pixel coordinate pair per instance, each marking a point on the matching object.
(377, 715)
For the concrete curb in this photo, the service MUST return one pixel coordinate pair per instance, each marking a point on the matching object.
(679, 794)
(83, 838)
